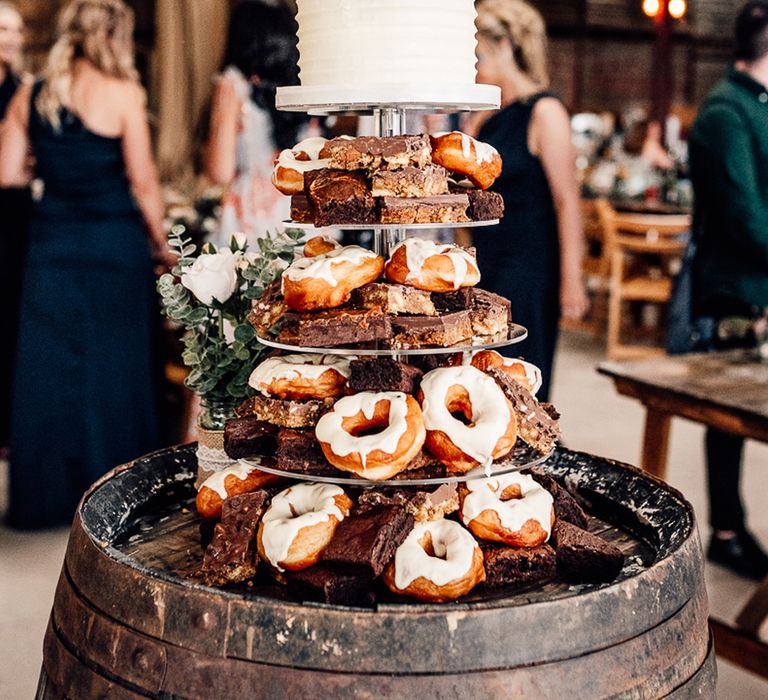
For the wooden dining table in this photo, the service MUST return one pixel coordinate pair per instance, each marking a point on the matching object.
(725, 390)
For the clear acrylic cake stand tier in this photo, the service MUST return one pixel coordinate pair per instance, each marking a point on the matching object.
(515, 334)
(385, 236)
(520, 458)
(387, 227)
(367, 99)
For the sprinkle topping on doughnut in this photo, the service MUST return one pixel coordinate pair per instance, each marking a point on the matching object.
(215, 481)
(453, 547)
(535, 502)
(330, 427)
(291, 510)
(321, 266)
(309, 366)
(418, 250)
(490, 415)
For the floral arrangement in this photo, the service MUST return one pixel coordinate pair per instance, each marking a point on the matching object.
(210, 295)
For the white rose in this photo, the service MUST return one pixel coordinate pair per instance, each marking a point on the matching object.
(212, 276)
(241, 240)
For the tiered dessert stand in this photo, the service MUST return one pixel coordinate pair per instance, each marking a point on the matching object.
(130, 620)
(390, 106)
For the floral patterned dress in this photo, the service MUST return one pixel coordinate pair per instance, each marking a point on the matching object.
(251, 204)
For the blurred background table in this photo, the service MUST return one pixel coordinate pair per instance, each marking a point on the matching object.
(723, 390)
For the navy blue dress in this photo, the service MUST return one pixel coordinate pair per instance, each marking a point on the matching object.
(84, 397)
(15, 205)
(520, 257)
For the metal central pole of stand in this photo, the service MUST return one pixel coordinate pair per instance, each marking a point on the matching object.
(388, 121)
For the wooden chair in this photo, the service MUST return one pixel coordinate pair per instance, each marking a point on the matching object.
(595, 267)
(631, 240)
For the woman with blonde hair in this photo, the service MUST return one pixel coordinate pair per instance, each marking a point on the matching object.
(534, 256)
(15, 203)
(84, 395)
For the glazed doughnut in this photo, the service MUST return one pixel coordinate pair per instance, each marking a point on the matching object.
(490, 429)
(327, 280)
(302, 376)
(529, 375)
(439, 561)
(318, 245)
(513, 509)
(433, 267)
(459, 153)
(299, 524)
(345, 438)
(292, 163)
(232, 481)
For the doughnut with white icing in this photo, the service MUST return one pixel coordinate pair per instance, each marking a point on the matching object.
(372, 434)
(232, 481)
(513, 509)
(318, 245)
(439, 561)
(326, 281)
(300, 523)
(489, 428)
(463, 155)
(434, 267)
(528, 374)
(292, 163)
(302, 376)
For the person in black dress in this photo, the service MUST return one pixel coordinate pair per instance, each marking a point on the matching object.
(15, 203)
(533, 256)
(84, 395)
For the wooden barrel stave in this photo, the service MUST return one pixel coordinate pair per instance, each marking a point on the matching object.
(702, 684)
(155, 666)
(171, 637)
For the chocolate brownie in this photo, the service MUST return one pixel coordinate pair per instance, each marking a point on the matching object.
(285, 413)
(301, 209)
(231, 555)
(393, 299)
(410, 182)
(458, 300)
(368, 540)
(247, 435)
(335, 327)
(299, 451)
(535, 425)
(383, 374)
(510, 565)
(440, 209)
(339, 197)
(328, 584)
(566, 506)
(268, 309)
(583, 557)
(378, 152)
(484, 205)
(431, 331)
(425, 504)
(491, 313)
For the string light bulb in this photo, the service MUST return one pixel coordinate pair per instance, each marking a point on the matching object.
(652, 7)
(676, 8)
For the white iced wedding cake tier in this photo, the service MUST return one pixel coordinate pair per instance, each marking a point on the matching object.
(360, 54)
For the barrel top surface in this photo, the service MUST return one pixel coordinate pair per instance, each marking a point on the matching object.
(135, 546)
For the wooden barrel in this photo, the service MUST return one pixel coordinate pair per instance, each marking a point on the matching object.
(129, 620)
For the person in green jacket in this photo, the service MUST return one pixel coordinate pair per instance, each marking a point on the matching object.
(729, 168)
